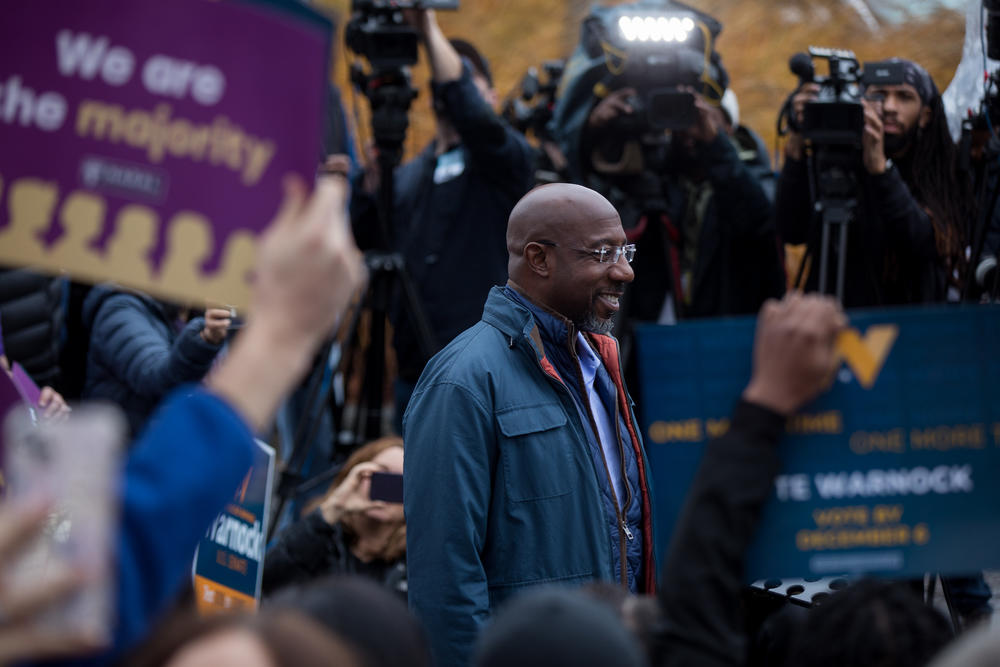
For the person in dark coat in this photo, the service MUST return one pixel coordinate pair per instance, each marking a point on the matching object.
(698, 213)
(348, 533)
(31, 318)
(450, 204)
(140, 349)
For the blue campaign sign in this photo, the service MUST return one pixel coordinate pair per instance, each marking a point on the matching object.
(894, 471)
(228, 565)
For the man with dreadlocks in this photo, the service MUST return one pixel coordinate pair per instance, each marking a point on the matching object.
(906, 244)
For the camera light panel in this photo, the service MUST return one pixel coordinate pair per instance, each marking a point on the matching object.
(655, 28)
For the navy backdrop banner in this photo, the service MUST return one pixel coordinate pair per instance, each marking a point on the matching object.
(894, 471)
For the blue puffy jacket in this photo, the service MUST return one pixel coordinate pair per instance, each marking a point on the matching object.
(501, 490)
(137, 355)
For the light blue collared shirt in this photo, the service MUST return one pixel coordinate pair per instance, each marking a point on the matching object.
(606, 431)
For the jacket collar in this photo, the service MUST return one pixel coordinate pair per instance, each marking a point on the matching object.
(511, 318)
(516, 316)
(553, 327)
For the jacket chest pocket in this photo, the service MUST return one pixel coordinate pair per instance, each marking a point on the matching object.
(536, 448)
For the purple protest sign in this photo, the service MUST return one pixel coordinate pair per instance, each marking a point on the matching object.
(26, 387)
(145, 142)
(10, 398)
(9, 395)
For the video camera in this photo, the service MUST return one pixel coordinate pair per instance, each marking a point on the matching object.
(989, 105)
(660, 48)
(531, 109)
(834, 124)
(378, 32)
(837, 117)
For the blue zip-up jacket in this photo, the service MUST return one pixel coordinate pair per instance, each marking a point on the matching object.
(137, 355)
(559, 341)
(501, 489)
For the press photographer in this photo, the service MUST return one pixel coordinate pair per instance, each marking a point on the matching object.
(450, 203)
(897, 195)
(639, 120)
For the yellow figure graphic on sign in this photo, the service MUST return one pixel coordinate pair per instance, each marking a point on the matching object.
(128, 250)
(232, 278)
(30, 203)
(82, 218)
(189, 244)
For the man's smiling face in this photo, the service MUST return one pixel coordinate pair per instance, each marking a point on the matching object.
(586, 290)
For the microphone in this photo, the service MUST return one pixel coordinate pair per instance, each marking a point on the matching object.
(801, 65)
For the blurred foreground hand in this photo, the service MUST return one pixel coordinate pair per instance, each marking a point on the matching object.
(308, 269)
(793, 355)
(22, 636)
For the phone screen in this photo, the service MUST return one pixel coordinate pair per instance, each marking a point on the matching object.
(387, 486)
(74, 463)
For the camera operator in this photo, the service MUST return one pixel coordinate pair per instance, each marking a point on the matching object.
(720, 251)
(700, 219)
(907, 245)
(452, 201)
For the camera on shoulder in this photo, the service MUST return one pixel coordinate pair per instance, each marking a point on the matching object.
(378, 32)
(661, 52)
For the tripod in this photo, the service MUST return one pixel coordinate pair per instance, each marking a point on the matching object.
(389, 93)
(833, 189)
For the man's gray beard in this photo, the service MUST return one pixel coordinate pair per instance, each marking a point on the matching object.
(594, 324)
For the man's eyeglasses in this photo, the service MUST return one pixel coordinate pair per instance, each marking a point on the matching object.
(604, 254)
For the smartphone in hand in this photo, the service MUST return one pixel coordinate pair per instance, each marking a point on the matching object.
(386, 486)
(75, 464)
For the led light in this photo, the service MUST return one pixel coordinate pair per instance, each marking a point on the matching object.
(663, 29)
(625, 25)
(655, 28)
(645, 26)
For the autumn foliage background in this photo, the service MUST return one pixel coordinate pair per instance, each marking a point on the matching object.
(756, 42)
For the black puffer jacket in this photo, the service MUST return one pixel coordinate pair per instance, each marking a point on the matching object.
(31, 313)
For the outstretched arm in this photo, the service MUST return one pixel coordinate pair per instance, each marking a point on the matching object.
(496, 148)
(703, 574)
(195, 451)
